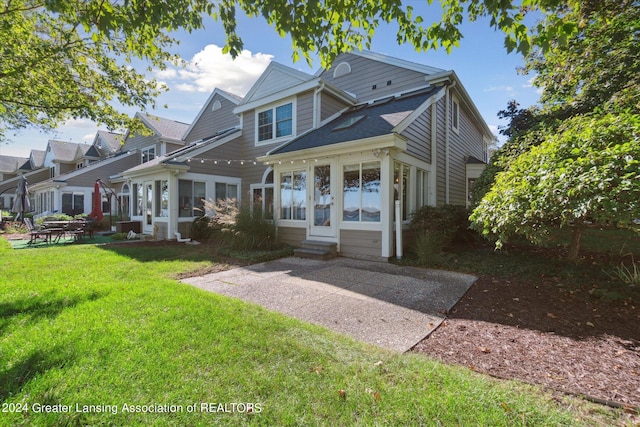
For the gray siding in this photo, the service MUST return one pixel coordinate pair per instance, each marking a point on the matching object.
(137, 142)
(365, 73)
(304, 112)
(419, 137)
(440, 159)
(88, 178)
(467, 142)
(211, 122)
(232, 150)
(358, 242)
(330, 105)
(67, 167)
(291, 236)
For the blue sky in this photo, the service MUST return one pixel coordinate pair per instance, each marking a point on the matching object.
(485, 69)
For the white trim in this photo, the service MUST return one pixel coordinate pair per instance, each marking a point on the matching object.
(273, 107)
(248, 101)
(390, 140)
(344, 68)
(414, 66)
(278, 96)
(455, 114)
(402, 126)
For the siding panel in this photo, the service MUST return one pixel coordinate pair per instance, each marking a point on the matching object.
(367, 72)
(291, 236)
(358, 242)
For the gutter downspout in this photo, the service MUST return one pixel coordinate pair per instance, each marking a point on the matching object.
(450, 86)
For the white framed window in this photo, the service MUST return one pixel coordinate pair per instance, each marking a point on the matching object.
(342, 69)
(262, 195)
(293, 195)
(455, 114)
(274, 123)
(190, 198)
(148, 154)
(362, 195)
(401, 188)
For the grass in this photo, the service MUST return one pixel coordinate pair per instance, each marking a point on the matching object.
(106, 326)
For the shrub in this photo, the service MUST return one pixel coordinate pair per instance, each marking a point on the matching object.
(202, 228)
(251, 231)
(437, 227)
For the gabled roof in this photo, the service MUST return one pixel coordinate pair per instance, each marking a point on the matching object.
(10, 164)
(179, 156)
(414, 66)
(37, 158)
(108, 142)
(85, 170)
(66, 151)
(164, 128)
(274, 80)
(362, 121)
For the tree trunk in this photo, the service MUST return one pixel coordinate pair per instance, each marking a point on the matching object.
(574, 246)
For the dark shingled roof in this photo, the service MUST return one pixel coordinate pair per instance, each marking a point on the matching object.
(361, 121)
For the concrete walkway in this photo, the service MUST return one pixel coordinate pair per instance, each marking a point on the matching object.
(382, 304)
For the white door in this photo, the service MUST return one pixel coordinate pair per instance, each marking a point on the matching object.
(322, 198)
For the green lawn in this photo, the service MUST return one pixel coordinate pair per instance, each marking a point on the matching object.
(85, 325)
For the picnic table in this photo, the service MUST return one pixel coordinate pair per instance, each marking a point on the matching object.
(75, 228)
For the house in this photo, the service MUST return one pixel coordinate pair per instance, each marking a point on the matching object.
(167, 190)
(368, 132)
(143, 187)
(335, 150)
(73, 170)
(9, 168)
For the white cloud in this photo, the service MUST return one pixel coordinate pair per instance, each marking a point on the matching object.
(168, 73)
(80, 124)
(89, 137)
(499, 89)
(210, 69)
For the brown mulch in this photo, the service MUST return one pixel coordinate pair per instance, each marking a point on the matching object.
(546, 334)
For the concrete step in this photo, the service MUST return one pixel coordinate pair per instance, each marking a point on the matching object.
(315, 249)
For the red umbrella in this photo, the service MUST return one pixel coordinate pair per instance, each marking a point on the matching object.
(96, 212)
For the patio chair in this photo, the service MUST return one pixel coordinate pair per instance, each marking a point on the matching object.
(75, 229)
(36, 233)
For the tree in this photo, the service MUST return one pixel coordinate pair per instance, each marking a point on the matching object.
(78, 58)
(586, 175)
(556, 170)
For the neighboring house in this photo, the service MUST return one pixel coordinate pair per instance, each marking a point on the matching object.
(144, 187)
(9, 168)
(167, 190)
(394, 130)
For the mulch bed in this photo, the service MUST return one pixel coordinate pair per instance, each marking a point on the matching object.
(544, 333)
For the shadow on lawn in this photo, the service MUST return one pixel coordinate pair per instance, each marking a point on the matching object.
(161, 250)
(15, 378)
(39, 308)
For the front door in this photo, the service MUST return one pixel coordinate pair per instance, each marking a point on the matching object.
(323, 212)
(148, 207)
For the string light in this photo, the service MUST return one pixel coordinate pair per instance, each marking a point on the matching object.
(253, 162)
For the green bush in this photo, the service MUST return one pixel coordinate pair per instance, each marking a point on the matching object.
(202, 228)
(252, 232)
(438, 227)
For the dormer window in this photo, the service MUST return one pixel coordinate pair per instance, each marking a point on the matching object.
(275, 122)
(148, 154)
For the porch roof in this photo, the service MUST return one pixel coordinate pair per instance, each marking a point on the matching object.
(360, 122)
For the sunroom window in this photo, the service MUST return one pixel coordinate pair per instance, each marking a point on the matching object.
(362, 197)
